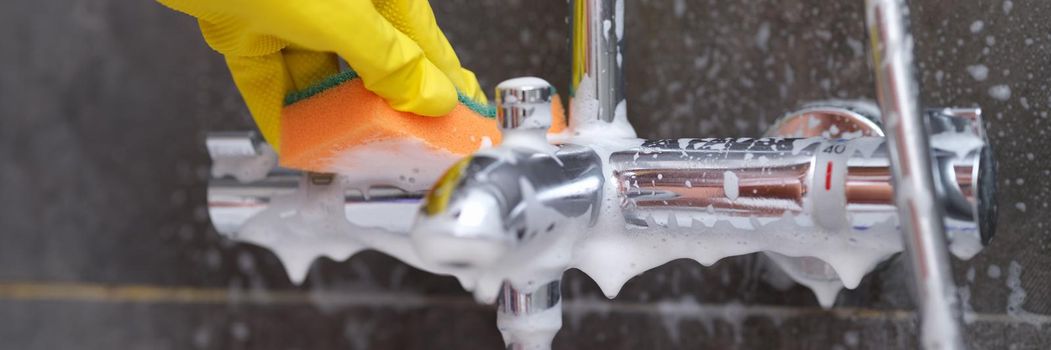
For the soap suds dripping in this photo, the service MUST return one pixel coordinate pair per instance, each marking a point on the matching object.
(1000, 92)
(1016, 299)
(979, 72)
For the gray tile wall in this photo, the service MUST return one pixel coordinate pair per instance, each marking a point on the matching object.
(105, 243)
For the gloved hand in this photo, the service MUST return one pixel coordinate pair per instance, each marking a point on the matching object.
(274, 47)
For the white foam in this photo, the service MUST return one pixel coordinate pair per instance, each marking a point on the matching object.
(979, 72)
(246, 168)
(813, 273)
(1016, 299)
(531, 331)
(977, 26)
(993, 271)
(1000, 92)
(731, 187)
(406, 163)
(960, 143)
(585, 109)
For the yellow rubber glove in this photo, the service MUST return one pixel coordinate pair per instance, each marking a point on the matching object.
(274, 47)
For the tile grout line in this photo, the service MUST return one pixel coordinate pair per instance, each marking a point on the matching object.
(137, 293)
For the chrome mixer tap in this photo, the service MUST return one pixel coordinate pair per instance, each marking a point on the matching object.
(831, 168)
(493, 196)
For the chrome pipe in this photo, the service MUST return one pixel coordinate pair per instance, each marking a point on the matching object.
(838, 183)
(231, 203)
(514, 308)
(920, 214)
(512, 301)
(597, 86)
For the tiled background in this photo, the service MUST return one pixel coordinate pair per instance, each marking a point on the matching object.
(105, 242)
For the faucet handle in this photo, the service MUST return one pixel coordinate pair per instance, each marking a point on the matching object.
(524, 104)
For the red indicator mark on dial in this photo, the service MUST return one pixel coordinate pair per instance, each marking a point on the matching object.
(828, 177)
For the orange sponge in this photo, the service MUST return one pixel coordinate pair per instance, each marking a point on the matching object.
(320, 123)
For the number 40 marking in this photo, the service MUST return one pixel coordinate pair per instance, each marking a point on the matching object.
(836, 149)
